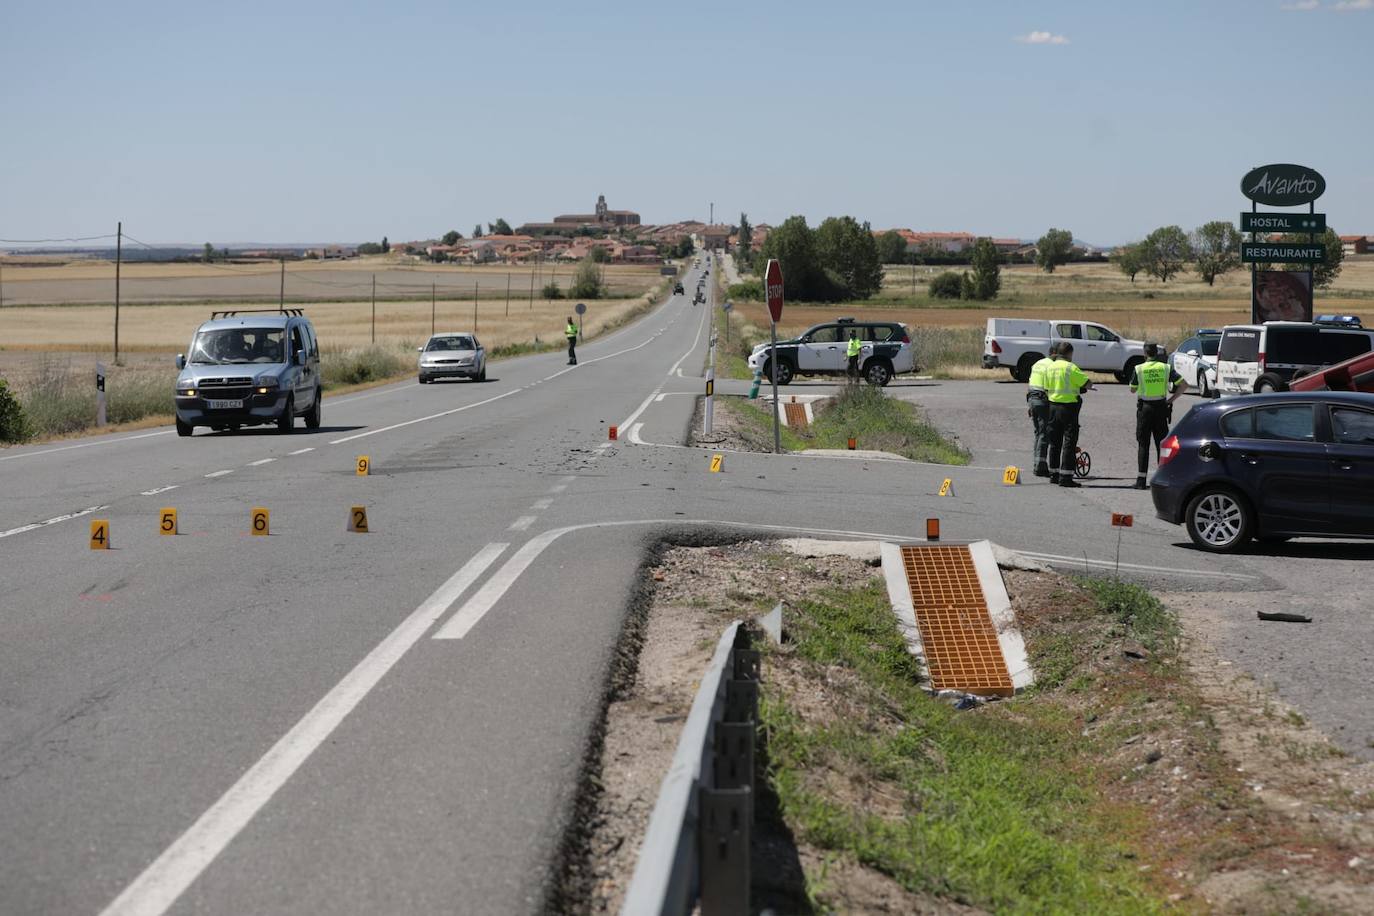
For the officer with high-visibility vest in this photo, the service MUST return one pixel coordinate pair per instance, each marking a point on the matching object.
(1156, 387)
(1064, 385)
(1038, 409)
(854, 348)
(571, 332)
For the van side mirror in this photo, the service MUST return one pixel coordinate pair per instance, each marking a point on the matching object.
(298, 356)
(181, 360)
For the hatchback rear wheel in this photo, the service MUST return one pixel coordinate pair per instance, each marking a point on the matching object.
(1219, 520)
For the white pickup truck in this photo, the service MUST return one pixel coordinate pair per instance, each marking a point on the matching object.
(1017, 343)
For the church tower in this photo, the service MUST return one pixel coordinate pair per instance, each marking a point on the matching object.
(601, 208)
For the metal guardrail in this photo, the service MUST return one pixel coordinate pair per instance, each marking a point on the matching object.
(697, 844)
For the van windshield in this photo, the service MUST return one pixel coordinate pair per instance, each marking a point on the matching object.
(1240, 346)
(1311, 347)
(237, 345)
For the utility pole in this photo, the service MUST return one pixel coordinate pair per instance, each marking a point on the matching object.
(531, 290)
(476, 290)
(281, 295)
(119, 256)
(431, 309)
(507, 294)
(712, 220)
(374, 308)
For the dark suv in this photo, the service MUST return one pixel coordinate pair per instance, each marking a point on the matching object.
(1270, 466)
(886, 352)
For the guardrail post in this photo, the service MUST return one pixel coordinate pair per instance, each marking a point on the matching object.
(724, 851)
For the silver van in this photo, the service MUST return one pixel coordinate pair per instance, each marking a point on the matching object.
(250, 367)
(1255, 358)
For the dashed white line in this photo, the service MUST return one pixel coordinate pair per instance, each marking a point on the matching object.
(541, 505)
(260, 462)
(162, 882)
(52, 521)
(66, 448)
(301, 451)
(523, 522)
(219, 473)
(156, 490)
(433, 416)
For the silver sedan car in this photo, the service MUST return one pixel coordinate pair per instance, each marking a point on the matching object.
(453, 355)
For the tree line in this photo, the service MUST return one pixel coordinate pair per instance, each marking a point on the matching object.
(1213, 250)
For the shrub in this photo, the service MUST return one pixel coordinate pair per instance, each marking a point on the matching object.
(947, 285)
(553, 290)
(14, 426)
(353, 367)
(587, 281)
(749, 289)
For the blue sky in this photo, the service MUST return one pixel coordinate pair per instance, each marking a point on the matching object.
(346, 121)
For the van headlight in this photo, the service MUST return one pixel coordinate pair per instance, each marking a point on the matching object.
(185, 391)
(267, 384)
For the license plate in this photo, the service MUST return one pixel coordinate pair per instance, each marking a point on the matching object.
(224, 405)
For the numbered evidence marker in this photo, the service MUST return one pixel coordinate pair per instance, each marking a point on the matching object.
(1011, 476)
(167, 521)
(357, 519)
(364, 465)
(717, 460)
(261, 523)
(947, 488)
(100, 534)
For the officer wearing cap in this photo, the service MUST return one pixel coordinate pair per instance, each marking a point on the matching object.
(1064, 386)
(1156, 387)
(1038, 409)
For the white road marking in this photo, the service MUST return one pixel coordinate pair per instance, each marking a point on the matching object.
(1057, 560)
(301, 451)
(162, 882)
(156, 490)
(542, 504)
(523, 522)
(433, 416)
(568, 479)
(52, 521)
(634, 435)
(219, 473)
(260, 462)
(67, 448)
(558, 488)
(625, 424)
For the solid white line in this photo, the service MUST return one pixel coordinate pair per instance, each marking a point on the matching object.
(51, 521)
(301, 451)
(219, 473)
(156, 490)
(433, 416)
(491, 591)
(1058, 560)
(523, 522)
(634, 435)
(541, 505)
(67, 448)
(260, 462)
(162, 882)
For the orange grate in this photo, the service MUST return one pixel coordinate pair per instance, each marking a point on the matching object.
(796, 415)
(961, 647)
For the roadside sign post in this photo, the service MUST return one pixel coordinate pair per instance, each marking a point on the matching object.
(708, 414)
(726, 308)
(773, 290)
(580, 309)
(1281, 185)
(99, 394)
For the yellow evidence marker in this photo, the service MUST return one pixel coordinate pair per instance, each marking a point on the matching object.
(364, 466)
(1011, 476)
(717, 461)
(167, 521)
(947, 488)
(357, 519)
(261, 522)
(100, 534)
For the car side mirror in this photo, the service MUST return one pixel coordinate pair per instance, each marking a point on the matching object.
(181, 360)
(1192, 353)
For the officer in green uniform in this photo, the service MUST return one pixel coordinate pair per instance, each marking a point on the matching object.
(571, 332)
(1038, 409)
(1064, 385)
(853, 350)
(1156, 387)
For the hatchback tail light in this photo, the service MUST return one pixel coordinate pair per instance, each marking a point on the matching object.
(906, 338)
(1167, 450)
(1261, 362)
(996, 347)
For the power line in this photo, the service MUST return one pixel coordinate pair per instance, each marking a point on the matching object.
(85, 238)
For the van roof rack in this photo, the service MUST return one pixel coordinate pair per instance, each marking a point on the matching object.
(230, 313)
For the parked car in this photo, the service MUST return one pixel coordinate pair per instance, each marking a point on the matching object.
(1270, 466)
(453, 355)
(1017, 344)
(887, 352)
(1256, 358)
(1195, 361)
(250, 367)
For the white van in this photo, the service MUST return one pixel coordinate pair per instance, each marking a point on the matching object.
(1266, 357)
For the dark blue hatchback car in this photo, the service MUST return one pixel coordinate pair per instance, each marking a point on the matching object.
(1270, 466)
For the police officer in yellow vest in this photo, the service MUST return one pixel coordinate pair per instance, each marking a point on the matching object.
(1156, 387)
(1064, 385)
(571, 332)
(1038, 409)
(853, 350)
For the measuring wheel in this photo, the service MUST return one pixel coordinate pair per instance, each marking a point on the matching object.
(1083, 463)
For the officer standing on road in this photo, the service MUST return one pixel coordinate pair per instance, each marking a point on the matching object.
(1064, 385)
(853, 350)
(1156, 386)
(571, 332)
(1038, 409)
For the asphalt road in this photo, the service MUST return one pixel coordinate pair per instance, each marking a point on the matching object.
(321, 721)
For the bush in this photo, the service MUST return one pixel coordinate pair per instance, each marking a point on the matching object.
(947, 285)
(587, 281)
(14, 426)
(353, 367)
(553, 290)
(749, 289)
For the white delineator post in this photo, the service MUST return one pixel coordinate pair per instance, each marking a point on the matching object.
(99, 394)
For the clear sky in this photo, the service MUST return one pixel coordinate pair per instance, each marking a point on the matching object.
(343, 121)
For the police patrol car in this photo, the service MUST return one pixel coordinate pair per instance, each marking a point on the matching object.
(886, 352)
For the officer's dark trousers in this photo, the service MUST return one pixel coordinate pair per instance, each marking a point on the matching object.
(572, 352)
(853, 370)
(1151, 422)
(1038, 406)
(1062, 431)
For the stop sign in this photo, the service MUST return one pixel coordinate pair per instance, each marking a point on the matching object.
(772, 281)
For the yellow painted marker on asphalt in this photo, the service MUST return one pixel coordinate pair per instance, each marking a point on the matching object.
(364, 466)
(100, 534)
(947, 488)
(167, 521)
(357, 519)
(1011, 476)
(261, 524)
(717, 461)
